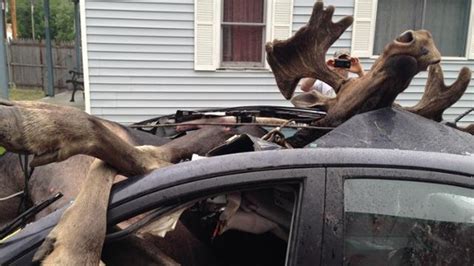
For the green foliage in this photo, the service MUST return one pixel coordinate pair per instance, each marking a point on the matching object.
(2, 151)
(62, 19)
(26, 94)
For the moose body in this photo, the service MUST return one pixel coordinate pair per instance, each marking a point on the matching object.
(66, 176)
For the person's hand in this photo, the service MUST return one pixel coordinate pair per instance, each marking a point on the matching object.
(356, 67)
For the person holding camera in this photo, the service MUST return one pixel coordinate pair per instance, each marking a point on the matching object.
(342, 63)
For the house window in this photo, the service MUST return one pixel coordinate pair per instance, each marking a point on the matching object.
(243, 33)
(230, 34)
(448, 21)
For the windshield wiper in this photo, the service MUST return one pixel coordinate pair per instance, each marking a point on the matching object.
(21, 220)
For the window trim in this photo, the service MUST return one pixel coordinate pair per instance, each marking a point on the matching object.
(207, 32)
(239, 66)
(468, 53)
(470, 39)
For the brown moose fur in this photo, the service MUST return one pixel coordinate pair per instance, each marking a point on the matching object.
(9, 169)
(78, 237)
(28, 127)
(70, 241)
(50, 179)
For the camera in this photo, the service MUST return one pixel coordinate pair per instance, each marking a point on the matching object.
(342, 63)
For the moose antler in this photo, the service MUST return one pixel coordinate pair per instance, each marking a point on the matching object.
(468, 129)
(436, 99)
(303, 55)
(437, 96)
(392, 72)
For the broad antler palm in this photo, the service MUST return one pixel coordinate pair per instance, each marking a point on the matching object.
(303, 55)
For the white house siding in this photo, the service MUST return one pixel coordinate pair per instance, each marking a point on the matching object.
(140, 56)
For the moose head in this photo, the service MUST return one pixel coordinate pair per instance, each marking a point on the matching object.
(417, 44)
(303, 55)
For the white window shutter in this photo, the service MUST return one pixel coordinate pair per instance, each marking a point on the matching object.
(471, 49)
(282, 22)
(470, 38)
(205, 32)
(363, 29)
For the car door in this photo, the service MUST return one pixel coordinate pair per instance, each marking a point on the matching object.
(390, 216)
(304, 245)
(304, 242)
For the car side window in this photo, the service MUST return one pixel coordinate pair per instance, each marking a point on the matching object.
(394, 222)
(239, 227)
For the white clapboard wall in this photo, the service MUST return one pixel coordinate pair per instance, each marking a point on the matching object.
(141, 61)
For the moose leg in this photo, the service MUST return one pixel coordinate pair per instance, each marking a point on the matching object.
(79, 235)
(54, 133)
(78, 241)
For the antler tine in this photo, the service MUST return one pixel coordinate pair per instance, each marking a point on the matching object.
(437, 96)
(316, 15)
(303, 55)
(468, 129)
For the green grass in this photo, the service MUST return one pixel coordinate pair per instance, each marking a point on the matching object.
(24, 94)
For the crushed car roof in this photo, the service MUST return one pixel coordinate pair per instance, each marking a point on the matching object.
(397, 129)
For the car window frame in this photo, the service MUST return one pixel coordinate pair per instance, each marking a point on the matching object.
(303, 246)
(333, 243)
(311, 200)
(305, 241)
